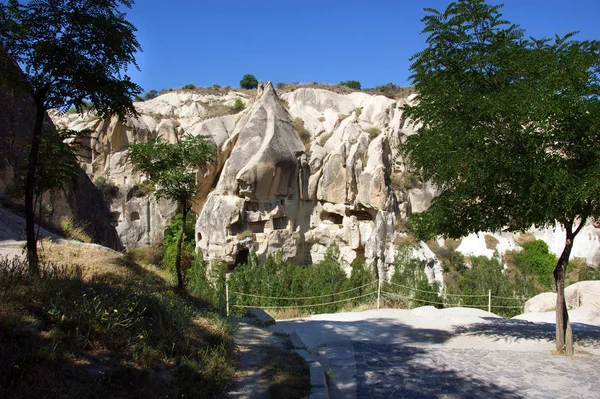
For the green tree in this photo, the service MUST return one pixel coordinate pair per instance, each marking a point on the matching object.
(248, 82)
(71, 51)
(508, 130)
(149, 95)
(353, 84)
(173, 168)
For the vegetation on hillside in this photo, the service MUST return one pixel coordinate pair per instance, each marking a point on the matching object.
(173, 168)
(94, 324)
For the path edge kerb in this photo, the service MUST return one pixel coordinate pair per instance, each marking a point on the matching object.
(318, 382)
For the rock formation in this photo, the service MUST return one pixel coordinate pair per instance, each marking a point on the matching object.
(269, 190)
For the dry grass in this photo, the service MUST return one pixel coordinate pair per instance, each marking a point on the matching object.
(522, 238)
(71, 229)
(100, 325)
(288, 374)
(491, 242)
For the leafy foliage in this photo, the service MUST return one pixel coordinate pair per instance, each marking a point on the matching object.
(508, 130)
(238, 106)
(173, 168)
(536, 260)
(108, 189)
(83, 60)
(352, 84)
(72, 53)
(410, 282)
(248, 82)
(508, 137)
(277, 278)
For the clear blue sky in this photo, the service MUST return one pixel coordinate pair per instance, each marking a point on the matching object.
(204, 41)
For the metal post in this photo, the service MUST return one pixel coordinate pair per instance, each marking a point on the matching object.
(227, 297)
(490, 301)
(379, 292)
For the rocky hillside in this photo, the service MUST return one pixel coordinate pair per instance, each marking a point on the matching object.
(296, 173)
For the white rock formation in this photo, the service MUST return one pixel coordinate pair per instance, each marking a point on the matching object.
(581, 294)
(269, 191)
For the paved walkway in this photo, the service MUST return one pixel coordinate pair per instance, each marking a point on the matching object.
(428, 354)
(389, 371)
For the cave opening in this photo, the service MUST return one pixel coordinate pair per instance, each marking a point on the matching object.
(241, 258)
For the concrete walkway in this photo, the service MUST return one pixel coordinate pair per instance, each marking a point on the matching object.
(453, 353)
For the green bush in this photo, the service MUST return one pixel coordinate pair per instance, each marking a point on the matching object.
(352, 84)
(108, 189)
(238, 106)
(536, 260)
(486, 275)
(410, 286)
(248, 82)
(304, 134)
(170, 243)
(277, 278)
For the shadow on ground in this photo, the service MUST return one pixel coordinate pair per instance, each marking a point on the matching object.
(510, 329)
(385, 371)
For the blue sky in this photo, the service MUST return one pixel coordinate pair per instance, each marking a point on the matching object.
(204, 42)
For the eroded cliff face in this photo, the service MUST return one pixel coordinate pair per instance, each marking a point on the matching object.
(270, 191)
(140, 218)
(277, 193)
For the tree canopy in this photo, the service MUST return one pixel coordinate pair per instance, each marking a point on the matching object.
(173, 168)
(508, 127)
(73, 53)
(248, 82)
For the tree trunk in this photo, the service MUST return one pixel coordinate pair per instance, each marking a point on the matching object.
(564, 333)
(180, 286)
(40, 113)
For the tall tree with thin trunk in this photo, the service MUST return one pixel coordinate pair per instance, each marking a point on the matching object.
(509, 130)
(72, 52)
(173, 169)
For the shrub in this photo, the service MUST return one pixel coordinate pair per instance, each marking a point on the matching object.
(404, 181)
(150, 95)
(277, 278)
(170, 243)
(411, 287)
(73, 230)
(142, 189)
(189, 86)
(108, 189)
(536, 260)
(238, 106)
(248, 82)
(373, 132)
(352, 84)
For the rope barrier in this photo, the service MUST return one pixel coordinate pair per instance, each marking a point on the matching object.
(306, 306)
(435, 292)
(433, 302)
(306, 297)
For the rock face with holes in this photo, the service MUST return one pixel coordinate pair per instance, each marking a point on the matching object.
(276, 193)
(140, 218)
(296, 173)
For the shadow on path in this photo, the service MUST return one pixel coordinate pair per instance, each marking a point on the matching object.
(386, 371)
(584, 334)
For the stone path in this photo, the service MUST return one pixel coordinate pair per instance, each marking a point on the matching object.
(392, 371)
(419, 354)
(251, 343)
